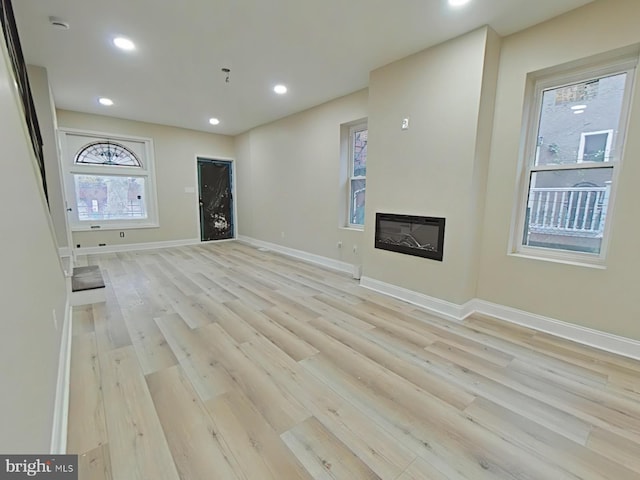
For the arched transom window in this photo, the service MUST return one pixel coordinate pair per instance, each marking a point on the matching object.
(107, 153)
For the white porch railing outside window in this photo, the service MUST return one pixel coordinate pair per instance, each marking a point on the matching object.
(570, 211)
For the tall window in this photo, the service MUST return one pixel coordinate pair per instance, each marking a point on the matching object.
(575, 140)
(109, 182)
(357, 173)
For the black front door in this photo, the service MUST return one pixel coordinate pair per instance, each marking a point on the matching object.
(216, 199)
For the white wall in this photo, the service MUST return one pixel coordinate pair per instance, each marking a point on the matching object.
(32, 287)
(176, 150)
(245, 198)
(438, 166)
(289, 180)
(602, 299)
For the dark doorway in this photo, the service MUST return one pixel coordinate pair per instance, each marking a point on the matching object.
(216, 199)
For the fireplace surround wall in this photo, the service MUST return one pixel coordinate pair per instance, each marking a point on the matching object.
(411, 235)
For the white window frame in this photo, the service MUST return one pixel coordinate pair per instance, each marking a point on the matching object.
(360, 126)
(583, 142)
(147, 171)
(537, 84)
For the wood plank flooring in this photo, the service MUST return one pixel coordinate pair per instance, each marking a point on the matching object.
(219, 361)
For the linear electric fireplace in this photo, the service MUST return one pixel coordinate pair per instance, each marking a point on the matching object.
(410, 234)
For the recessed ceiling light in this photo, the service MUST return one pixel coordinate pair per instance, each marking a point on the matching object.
(124, 43)
(107, 102)
(214, 121)
(280, 89)
(458, 3)
(578, 107)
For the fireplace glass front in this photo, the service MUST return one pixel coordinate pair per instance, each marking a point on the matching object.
(410, 234)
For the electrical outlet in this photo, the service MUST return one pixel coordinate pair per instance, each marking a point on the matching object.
(405, 124)
(355, 249)
(339, 244)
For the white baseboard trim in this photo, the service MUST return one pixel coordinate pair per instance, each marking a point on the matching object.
(129, 247)
(587, 336)
(61, 404)
(308, 257)
(442, 308)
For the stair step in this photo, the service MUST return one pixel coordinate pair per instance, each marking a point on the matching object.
(86, 278)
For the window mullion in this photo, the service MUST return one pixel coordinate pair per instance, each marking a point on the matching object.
(97, 170)
(572, 166)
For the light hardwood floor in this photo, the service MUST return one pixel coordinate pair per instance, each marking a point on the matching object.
(220, 361)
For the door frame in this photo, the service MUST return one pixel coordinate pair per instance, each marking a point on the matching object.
(234, 204)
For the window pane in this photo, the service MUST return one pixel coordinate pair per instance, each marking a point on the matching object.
(102, 197)
(356, 207)
(566, 209)
(360, 153)
(577, 120)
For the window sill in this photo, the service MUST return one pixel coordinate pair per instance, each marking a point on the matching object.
(566, 261)
(353, 228)
(120, 226)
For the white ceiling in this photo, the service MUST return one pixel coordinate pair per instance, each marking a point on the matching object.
(321, 49)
